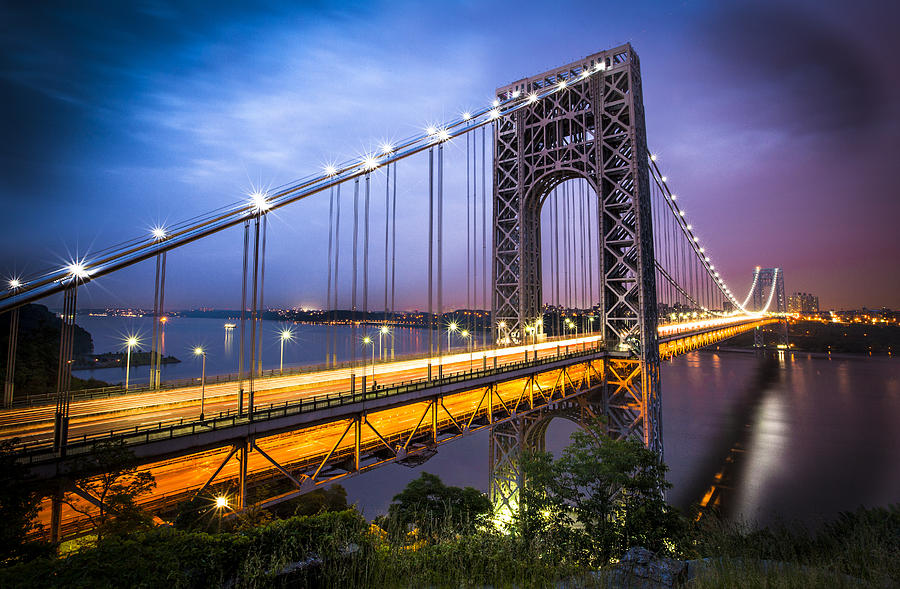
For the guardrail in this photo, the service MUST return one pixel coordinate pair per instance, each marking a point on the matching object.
(28, 400)
(39, 453)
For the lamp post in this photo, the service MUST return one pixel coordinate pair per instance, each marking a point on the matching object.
(199, 351)
(286, 335)
(131, 342)
(502, 326)
(367, 341)
(468, 337)
(451, 328)
(385, 330)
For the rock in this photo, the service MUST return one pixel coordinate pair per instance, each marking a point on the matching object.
(641, 569)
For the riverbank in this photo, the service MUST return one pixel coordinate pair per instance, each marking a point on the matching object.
(823, 337)
(118, 359)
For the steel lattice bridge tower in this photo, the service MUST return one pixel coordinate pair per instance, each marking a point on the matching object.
(658, 296)
(594, 131)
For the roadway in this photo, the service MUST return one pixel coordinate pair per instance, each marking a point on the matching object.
(297, 449)
(95, 417)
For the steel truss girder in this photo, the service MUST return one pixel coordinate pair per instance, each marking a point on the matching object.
(615, 393)
(594, 130)
(437, 422)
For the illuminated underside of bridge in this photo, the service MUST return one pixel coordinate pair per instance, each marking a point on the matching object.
(305, 439)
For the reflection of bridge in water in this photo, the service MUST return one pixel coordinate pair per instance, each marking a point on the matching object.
(568, 154)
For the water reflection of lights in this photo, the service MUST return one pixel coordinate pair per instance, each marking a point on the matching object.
(764, 457)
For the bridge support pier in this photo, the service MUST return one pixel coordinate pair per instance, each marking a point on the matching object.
(56, 514)
(244, 458)
(623, 392)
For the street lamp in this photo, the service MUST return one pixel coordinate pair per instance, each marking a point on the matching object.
(450, 328)
(198, 351)
(131, 342)
(286, 335)
(502, 326)
(385, 330)
(569, 324)
(367, 341)
(468, 337)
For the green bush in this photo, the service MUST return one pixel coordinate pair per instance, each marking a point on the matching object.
(170, 558)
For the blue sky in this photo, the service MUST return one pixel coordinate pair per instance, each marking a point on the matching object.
(776, 122)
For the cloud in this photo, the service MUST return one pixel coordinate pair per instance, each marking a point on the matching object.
(799, 72)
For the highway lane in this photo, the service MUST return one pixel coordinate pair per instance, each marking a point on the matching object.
(89, 418)
(99, 416)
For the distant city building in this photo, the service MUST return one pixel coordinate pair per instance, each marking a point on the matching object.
(803, 302)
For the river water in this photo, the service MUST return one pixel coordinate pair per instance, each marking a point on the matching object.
(796, 436)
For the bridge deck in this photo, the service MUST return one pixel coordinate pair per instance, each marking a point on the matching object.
(312, 427)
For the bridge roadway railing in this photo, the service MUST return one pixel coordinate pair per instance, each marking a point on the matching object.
(32, 400)
(28, 400)
(180, 438)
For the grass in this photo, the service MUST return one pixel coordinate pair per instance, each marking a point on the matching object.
(860, 549)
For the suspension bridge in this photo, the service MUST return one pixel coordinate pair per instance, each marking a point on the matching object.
(576, 245)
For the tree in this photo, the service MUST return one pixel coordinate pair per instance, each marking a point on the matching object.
(431, 507)
(117, 487)
(321, 500)
(37, 352)
(601, 497)
(19, 504)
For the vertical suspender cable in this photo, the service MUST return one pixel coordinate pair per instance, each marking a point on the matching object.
(243, 319)
(440, 250)
(253, 312)
(337, 259)
(430, 258)
(474, 328)
(162, 312)
(353, 289)
(393, 254)
(470, 249)
(329, 333)
(365, 310)
(548, 239)
(387, 225)
(582, 244)
(154, 346)
(565, 227)
(262, 282)
(484, 268)
(555, 245)
(590, 247)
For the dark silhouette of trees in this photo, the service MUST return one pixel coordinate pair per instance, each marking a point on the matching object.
(19, 505)
(430, 506)
(117, 488)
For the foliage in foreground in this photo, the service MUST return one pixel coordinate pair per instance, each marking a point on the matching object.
(19, 505)
(578, 513)
(601, 497)
(858, 550)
